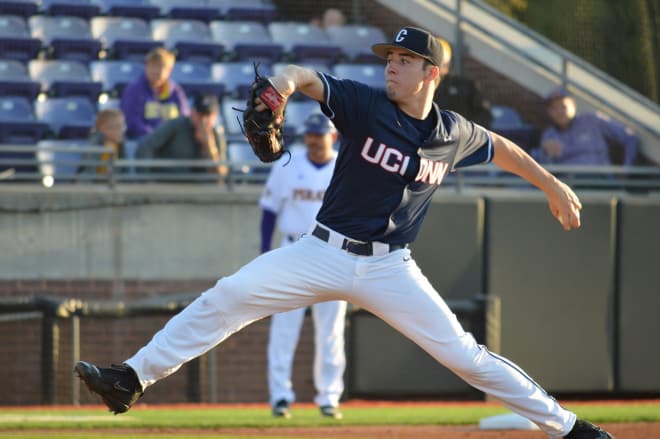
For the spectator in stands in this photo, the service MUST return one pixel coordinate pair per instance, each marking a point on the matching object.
(459, 93)
(582, 139)
(153, 97)
(108, 131)
(330, 17)
(189, 137)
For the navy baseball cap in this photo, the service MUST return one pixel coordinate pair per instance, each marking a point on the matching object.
(318, 124)
(414, 40)
(557, 93)
(206, 104)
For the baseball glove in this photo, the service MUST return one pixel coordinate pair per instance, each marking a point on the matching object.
(263, 129)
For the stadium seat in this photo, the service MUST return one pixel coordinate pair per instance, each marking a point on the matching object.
(14, 108)
(508, 122)
(59, 163)
(242, 159)
(22, 8)
(79, 8)
(64, 78)
(68, 117)
(237, 76)
(356, 40)
(195, 78)
(296, 114)
(15, 80)
(18, 126)
(126, 38)
(114, 75)
(191, 40)
(188, 9)
(65, 37)
(246, 40)
(129, 8)
(246, 10)
(370, 74)
(303, 42)
(15, 40)
(233, 118)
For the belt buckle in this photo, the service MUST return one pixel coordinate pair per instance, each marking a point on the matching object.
(348, 243)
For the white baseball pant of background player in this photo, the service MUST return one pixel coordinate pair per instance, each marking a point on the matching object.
(294, 192)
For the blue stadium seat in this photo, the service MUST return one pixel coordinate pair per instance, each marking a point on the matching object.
(15, 40)
(15, 80)
(246, 40)
(296, 114)
(237, 76)
(64, 78)
(233, 119)
(508, 122)
(66, 37)
(18, 126)
(304, 42)
(246, 10)
(126, 38)
(107, 103)
(129, 8)
(191, 40)
(68, 117)
(79, 8)
(240, 153)
(114, 75)
(370, 74)
(356, 40)
(195, 78)
(15, 108)
(60, 163)
(188, 9)
(23, 8)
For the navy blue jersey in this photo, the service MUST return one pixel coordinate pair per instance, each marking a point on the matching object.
(387, 170)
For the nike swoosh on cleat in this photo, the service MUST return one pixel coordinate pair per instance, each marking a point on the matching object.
(117, 385)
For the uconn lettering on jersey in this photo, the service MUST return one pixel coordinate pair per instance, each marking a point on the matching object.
(394, 161)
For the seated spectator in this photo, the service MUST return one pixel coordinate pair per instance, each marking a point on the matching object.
(188, 137)
(330, 17)
(108, 131)
(153, 97)
(459, 93)
(582, 139)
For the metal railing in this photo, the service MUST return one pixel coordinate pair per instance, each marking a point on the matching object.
(36, 167)
(483, 311)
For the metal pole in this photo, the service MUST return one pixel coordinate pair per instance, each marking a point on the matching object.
(213, 375)
(50, 333)
(75, 357)
(458, 51)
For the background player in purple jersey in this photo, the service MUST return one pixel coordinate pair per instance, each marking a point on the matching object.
(396, 148)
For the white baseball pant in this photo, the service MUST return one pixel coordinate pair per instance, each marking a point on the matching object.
(389, 285)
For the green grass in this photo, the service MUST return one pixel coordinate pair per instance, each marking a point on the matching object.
(81, 422)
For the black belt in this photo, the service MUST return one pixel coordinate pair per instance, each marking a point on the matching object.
(355, 247)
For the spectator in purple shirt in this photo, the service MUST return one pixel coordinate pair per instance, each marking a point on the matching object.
(582, 139)
(153, 97)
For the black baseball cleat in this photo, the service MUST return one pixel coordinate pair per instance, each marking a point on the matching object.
(281, 409)
(118, 386)
(328, 411)
(587, 430)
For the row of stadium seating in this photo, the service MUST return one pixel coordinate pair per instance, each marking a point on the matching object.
(71, 78)
(129, 38)
(146, 9)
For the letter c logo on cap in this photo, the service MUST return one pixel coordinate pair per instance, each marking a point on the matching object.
(401, 35)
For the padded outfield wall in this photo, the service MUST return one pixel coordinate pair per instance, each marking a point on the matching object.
(576, 307)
